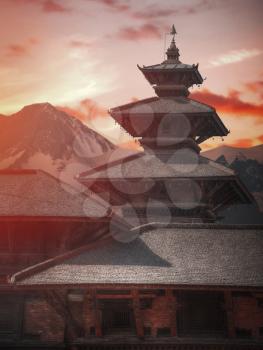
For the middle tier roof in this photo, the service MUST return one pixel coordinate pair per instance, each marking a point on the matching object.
(203, 118)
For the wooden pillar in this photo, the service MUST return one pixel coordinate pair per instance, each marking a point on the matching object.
(98, 328)
(256, 325)
(137, 313)
(171, 300)
(230, 314)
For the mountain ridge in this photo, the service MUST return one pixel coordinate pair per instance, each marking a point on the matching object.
(44, 137)
(231, 153)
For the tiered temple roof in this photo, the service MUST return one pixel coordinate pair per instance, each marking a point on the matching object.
(171, 128)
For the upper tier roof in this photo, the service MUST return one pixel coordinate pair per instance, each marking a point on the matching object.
(167, 66)
(184, 255)
(172, 77)
(175, 70)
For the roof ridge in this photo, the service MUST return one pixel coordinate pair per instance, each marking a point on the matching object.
(20, 275)
(154, 225)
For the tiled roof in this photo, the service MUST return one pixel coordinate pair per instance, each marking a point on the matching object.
(163, 105)
(36, 193)
(154, 106)
(169, 66)
(146, 165)
(176, 255)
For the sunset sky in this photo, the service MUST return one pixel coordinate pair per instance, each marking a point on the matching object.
(82, 54)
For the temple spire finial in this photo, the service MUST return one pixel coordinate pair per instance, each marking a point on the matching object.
(173, 30)
(173, 52)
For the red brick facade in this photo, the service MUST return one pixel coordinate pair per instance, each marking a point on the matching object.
(42, 323)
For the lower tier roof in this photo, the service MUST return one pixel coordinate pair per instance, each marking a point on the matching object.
(147, 165)
(185, 255)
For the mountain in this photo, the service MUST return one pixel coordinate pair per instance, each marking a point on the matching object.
(43, 137)
(250, 172)
(232, 153)
(244, 213)
(248, 165)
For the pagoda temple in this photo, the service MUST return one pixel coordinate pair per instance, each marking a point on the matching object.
(175, 281)
(170, 178)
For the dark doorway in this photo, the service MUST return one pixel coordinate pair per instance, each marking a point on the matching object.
(11, 311)
(201, 314)
(117, 317)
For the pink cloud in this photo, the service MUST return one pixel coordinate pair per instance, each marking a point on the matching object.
(21, 49)
(156, 12)
(116, 5)
(81, 43)
(145, 31)
(54, 6)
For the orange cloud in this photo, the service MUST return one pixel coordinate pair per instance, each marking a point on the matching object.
(21, 49)
(242, 143)
(54, 6)
(16, 50)
(86, 110)
(116, 5)
(231, 104)
(256, 87)
(260, 138)
(48, 6)
(145, 31)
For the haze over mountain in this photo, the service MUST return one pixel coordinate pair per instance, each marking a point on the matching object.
(43, 137)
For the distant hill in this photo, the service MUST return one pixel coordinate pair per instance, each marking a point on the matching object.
(231, 153)
(250, 172)
(244, 214)
(248, 165)
(43, 137)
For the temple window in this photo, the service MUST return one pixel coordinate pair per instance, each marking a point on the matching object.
(117, 317)
(146, 303)
(243, 333)
(164, 332)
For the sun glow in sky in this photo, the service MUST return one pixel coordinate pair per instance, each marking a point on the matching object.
(68, 52)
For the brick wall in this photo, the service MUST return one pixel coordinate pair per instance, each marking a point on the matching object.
(248, 314)
(161, 315)
(41, 321)
(89, 317)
